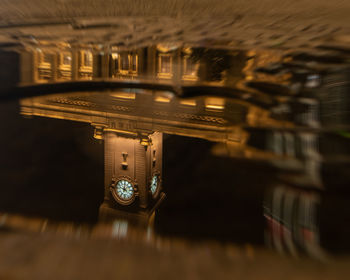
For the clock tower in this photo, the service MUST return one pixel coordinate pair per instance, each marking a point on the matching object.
(133, 174)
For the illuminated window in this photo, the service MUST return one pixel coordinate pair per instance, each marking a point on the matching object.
(44, 72)
(65, 66)
(66, 59)
(189, 69)
(45, 58)
(165, 66)
(87, 59)
(134, 59)
(127, 64)
(124, 62)
(86, 62)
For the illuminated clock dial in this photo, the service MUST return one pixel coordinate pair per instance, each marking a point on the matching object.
(124, 190)
(154, 185)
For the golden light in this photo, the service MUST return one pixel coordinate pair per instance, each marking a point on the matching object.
(162, 99)
(215, 103)
(188, 102)
(124, 95)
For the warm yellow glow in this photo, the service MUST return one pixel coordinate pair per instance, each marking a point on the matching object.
(164, 48)
(98, 133)
(187, 50)
(215, 107)
(189, 69)
(85, 67)
(145, 142)
(121, 131)
(162, 99)
(214, 103)
(165, 66)
(124, 95)
(86, 59)
(115, 55)
(188, 102)
(43, 66)
(128, 64)
(66, 59)
(65, 66)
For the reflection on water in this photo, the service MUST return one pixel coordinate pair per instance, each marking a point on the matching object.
(294, 88)
(197, 142)
(132, 124)
(292, 221)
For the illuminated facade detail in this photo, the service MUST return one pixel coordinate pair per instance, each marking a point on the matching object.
(188, 102)
(189, 69)
(128, 64)
(165, 66)
(65, 66)
(133, 160)
(63, 62)
(44, 66)
(161, 62)
(126, 123)
(215, 104)
(85, 64)
(98, 132)
(130, 114)
(162, 99)
(124, 64)
(124, 95)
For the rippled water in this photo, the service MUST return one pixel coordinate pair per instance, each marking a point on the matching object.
(175, 141)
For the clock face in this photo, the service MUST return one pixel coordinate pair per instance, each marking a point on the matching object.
(154, 184)
(124, 190)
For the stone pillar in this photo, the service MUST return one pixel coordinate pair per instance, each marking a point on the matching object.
(151, 62)
(54, 66)
(75, 64)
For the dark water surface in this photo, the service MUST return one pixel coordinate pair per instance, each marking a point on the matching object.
(244, 147)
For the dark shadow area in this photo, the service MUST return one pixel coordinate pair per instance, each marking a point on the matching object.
(211, 197)
(49, 168)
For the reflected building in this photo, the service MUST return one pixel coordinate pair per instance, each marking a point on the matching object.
(292, 221)
(325, 102)
(334, 98)
(85, 64)
(303, 146)
(133, 174)
(132, 124)
(125, 64)
(62, 62)
(56, 63)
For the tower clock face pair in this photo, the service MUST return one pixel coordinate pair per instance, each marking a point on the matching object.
(124, 191)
